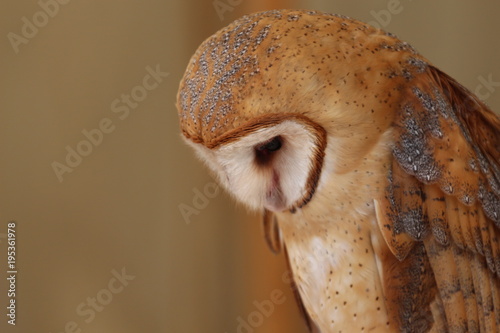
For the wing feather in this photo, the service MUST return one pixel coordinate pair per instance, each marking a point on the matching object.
(272, 233)
(443, 190)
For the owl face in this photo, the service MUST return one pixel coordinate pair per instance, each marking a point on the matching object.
(273, 163)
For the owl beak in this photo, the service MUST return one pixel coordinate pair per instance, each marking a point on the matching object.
(275, 200)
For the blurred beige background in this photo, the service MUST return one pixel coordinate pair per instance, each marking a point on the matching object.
(117, 213)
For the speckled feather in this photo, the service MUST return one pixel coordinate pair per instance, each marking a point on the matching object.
(442, 191)
(397, 226)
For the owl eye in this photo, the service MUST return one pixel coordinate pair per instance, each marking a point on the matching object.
(264, 152)
(273, 145)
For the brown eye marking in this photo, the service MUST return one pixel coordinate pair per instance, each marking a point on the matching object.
(264, 152)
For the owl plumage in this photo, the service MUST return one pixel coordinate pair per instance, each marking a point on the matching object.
(378, 175)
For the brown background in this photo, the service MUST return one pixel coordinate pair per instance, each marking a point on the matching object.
(120, 206)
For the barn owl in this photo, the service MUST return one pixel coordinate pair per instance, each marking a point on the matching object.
(377, 174)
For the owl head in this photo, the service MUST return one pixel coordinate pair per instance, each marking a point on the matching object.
(276, 98)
